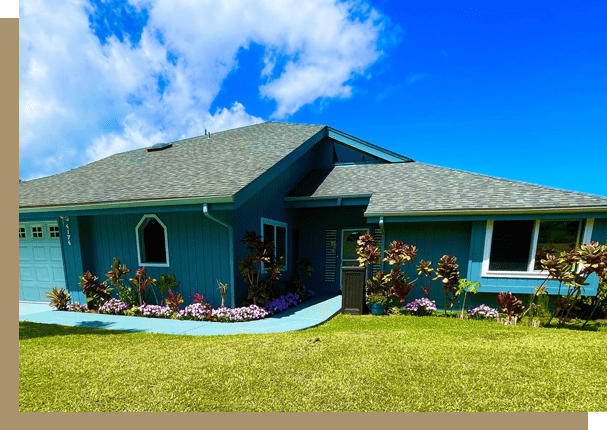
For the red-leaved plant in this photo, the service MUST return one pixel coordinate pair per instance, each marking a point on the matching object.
(395, 283)
(174, 300)
(142, 281)
(510, 304)
(572, 268)
(96, 293)
(261, 288)
(447, 272)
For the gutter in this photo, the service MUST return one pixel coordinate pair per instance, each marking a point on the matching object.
(205, 211)
(492, 211)
(126, 204)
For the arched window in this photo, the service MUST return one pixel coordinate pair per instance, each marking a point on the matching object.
(152, 242)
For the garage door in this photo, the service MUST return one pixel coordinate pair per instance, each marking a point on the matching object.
(40, 261)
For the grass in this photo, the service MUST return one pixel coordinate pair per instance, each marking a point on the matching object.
(351, 363)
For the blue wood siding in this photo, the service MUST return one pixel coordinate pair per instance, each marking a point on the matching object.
(268, 202)
(433, 240)
(198, 250)
(312, 223)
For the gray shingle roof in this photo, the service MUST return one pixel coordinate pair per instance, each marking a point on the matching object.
(420, 188)
(197, 167)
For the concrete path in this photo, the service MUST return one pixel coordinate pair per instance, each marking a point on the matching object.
(305, 315)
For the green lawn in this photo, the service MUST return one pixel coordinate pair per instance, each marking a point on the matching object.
(351, 363)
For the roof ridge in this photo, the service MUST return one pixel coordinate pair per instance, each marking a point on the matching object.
(513, 180)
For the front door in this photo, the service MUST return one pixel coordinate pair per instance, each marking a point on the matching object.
(349, 237)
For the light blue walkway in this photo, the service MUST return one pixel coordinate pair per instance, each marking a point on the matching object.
(305, 315)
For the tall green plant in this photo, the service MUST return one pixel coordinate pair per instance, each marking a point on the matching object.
(465, 286)
(164, 283)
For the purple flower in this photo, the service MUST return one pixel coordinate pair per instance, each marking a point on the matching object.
(483, 311)
(423, 306)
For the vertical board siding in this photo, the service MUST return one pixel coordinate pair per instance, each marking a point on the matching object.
(433, 240)
(313, 224)
(196, 247)
(268, 202)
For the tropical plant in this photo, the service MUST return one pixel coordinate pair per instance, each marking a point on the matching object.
(395, 284)
(223, 289)
(59, 299)
(510, 304)
(174, 300)
(465, 286)
(572, 269)
(114, 307)
(164, 283)
(261, 254)
(198, 298)
(141, 282)
(302, 269)
(96, 293)
(447, 272)
(127, 293)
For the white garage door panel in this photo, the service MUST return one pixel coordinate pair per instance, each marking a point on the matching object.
(40, 263)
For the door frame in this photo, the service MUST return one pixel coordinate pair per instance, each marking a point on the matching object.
(341, 249)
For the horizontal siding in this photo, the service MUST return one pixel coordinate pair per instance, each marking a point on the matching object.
(198, 250)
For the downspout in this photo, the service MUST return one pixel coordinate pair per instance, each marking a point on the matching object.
(383, 237)
(205, 211)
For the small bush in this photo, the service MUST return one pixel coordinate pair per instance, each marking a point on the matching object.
(154, 311)
(196, 312)
(59, 298)
(248, 313)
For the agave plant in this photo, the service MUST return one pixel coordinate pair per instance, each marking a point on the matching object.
(59, 298)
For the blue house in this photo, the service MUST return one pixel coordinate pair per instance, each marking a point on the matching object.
(182, 208)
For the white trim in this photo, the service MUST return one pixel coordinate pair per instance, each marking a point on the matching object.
(533, 246)
(341, 249)
(268, 221)
(588, 230)
(530, 273)
(166, 242)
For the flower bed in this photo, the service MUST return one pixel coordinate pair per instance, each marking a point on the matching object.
(196, 311)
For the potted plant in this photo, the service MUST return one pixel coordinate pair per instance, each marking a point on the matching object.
(377, 303)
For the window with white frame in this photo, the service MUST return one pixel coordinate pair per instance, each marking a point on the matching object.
(152, 242)
(22, 233)
(516, 248)
(276, 231)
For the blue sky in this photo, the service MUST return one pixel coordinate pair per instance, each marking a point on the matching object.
(511, 89)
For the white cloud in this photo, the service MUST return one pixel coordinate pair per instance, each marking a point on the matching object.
(82, 100)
